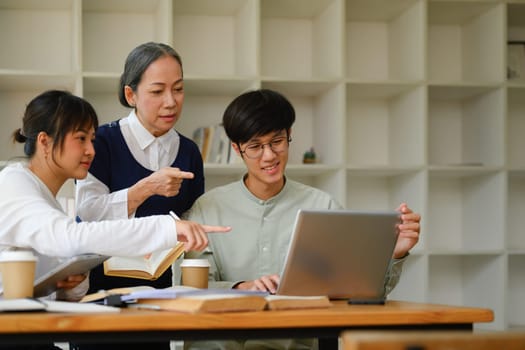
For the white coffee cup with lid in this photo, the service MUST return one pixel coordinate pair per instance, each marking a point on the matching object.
(18, 273)
(195, 272)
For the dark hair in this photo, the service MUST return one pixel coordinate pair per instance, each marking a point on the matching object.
(138, 60)
(257, 113)
(56, 113)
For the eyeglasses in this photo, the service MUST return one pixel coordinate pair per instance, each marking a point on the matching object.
(277, 145)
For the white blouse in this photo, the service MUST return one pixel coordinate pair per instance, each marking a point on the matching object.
(31, 217)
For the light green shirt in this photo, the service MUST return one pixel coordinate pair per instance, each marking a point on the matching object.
(261, 230)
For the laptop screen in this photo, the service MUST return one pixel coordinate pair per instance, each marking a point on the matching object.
(342, 254)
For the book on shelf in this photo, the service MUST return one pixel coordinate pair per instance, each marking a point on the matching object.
(148, 267)
(198, 137)
(214, 144)
(219, 147)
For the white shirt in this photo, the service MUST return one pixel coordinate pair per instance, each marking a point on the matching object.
(31, 217)
(93, 199)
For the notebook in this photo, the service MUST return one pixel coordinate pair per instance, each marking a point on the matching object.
(340, 253)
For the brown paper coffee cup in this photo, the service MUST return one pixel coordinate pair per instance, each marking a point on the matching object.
(195, 272)
(18, 273)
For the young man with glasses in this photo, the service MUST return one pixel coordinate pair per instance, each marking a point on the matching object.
(261, 207)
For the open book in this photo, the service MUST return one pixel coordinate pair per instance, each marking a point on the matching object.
(148, 267)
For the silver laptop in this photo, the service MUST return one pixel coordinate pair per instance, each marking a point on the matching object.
(340, 253)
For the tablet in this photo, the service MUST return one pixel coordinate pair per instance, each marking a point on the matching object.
(45, 284)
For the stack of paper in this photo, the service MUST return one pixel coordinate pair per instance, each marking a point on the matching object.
(193, 300)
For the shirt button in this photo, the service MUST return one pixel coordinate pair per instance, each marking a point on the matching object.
(265, 249)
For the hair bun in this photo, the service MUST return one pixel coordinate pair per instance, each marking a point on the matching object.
(19, 136)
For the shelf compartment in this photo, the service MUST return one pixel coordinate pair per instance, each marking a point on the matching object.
(515, 128)
(516, 288)
(465, 42)
(381, 119)
(328, 179)
(466, 212)
(380, 191)
(516, 34)
(515, 23)
(217, 38)
(15, 93)
(473, 281)
(38, 36)
(301, 39)
(466, 125)
(319, 111)
(102, 92)
(12, 103)
(124, 25)
(385, 41)
(413, 283)
(515, 210)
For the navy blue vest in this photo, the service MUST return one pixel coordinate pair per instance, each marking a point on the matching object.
(115, 166)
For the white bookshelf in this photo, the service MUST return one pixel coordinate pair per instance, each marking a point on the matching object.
(402, 100)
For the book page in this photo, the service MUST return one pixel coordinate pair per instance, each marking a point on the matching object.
(140, 263)
(152, 265)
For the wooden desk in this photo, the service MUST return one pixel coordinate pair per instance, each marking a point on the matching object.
(327, 324)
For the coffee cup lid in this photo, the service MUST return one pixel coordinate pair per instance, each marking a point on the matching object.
(195, 263)
(17, 255)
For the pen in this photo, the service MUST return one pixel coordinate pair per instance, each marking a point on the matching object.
(173, 215)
